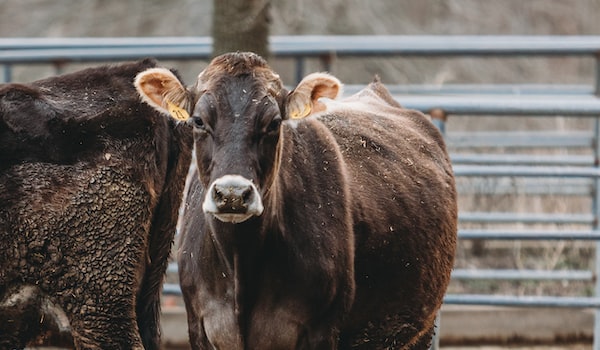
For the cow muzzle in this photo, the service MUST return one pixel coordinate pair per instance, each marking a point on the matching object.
(233, 199)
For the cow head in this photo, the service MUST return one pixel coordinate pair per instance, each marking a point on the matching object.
(236, 107)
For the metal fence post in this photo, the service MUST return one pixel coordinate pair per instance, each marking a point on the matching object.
(596, 206)
(299, 69)
(7, 76)
(435, 342)
(438, 117)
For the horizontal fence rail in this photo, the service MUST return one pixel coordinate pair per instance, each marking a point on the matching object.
(520, 171)
(181, 48)
(505, 105)
(523, 301)
(325, 48)
(524, 275)
(483, 89)
(522, 139)
(571, 187)
(531, 235)
(521, 159)
(527, 218)
(527, 174)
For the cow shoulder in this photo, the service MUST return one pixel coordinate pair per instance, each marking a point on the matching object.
(63, 118)
(380, 140)
(26, 119)
(316, 190)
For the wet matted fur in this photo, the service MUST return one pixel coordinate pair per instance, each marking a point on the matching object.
(91, 180)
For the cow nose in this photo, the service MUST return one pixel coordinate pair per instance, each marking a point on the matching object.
(233, 198)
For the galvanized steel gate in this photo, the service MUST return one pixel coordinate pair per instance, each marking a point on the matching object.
(441, 102)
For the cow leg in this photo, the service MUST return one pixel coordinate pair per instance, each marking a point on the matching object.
(197, 334)
(103, 330)
(390, 332)
(424, 341)
(223, 336)
(325, 339)
(102, 313)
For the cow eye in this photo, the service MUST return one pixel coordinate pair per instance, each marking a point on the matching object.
(274, 125)
(198, 122)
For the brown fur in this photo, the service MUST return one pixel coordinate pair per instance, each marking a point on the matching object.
(90, 183)
(404, 210)
(357, 239)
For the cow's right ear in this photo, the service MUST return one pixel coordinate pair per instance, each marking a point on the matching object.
(161, 89)
(304, 99)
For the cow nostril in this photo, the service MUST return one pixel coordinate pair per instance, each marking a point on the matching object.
(232, 198)
(217, 194)
(246, 195)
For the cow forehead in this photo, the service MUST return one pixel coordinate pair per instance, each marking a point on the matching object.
(251, 83)
(237, 95)
(236, 63)
(239, 71)
(244, 93)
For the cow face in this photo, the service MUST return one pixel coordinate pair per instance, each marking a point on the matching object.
(236, 107)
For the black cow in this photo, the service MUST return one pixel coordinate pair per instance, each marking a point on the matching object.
(337, 230)
(91, 180)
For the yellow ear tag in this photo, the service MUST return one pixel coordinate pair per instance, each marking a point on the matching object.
(177, 112)
(300, 115)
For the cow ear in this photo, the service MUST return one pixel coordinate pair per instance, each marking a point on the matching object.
(304, 99)
(161, 89)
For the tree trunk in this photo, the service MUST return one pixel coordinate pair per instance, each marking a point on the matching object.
(241, 25)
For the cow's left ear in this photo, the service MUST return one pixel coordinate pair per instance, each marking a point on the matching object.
(161, 89)
(304, 99)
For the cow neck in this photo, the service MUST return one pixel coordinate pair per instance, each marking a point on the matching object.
(239, 247)
(223, 255)
(235, 243)
(272, 195)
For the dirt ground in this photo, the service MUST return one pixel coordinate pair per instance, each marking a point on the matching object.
(544, 347)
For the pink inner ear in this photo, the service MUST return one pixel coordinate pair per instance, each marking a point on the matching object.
(325, 89)
(153, 87)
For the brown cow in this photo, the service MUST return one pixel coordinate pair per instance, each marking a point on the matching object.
(337, 230)
(91, 181)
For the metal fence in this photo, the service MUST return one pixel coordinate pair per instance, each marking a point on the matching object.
(537, 174)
